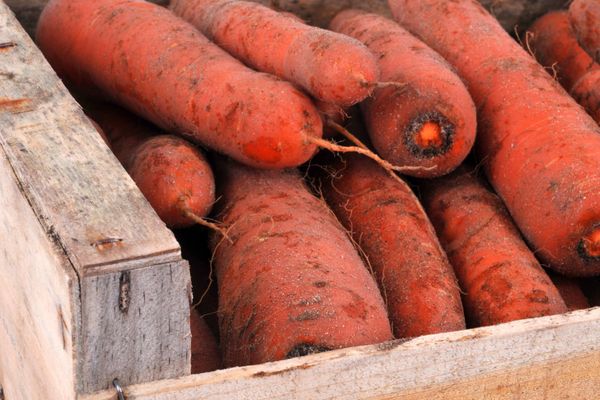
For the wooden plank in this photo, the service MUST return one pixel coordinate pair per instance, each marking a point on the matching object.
(544, 358)
(89, 207)
(142, 316)
(77, 188)
(37, 316)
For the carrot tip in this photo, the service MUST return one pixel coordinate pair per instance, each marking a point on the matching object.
(430, 135)
(589, 247)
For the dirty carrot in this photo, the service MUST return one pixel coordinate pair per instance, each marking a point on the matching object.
(331, 67)
(172, 174)
(145, 58)
(428, 117)
(555, 46)
(500, 276)
(290, 281)
(584, 16)
(389, 224)
(206, 355)
(570, 291)
(540, 150)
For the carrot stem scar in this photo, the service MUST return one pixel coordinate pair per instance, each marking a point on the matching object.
(591, 243)
(430, 135)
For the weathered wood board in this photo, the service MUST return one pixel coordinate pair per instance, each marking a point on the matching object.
(555, 357)
(98, 221)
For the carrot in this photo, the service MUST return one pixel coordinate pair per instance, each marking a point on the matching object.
(290, 281)
(570, 292)
(331, 67)
(172, 174)
(555, 46)
(142, 56)
(427, 118)
(540, 150)
(501, 278)
(390, 226)
(205, 351)
(584, 15)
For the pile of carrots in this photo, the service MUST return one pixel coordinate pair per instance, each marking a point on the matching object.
(391, 231)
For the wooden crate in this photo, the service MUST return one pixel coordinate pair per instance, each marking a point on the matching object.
(93, 286)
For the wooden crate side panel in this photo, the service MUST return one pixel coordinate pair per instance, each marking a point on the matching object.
(77, 188)
(135, 326)
(478, 363)
(37, 316)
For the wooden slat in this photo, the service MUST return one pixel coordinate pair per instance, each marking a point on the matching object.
(37, 316)
(545, 358)
(145, 325)
(81, 198)
(77, 188)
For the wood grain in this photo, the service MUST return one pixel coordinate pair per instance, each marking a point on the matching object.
(142, 317)
(37, 315)
(77, 188)
(102, 227)
(544, 358)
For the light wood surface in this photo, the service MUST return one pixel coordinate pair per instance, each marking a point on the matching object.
(101, 227)
(36, 313)
(75, 185)
(554, 357)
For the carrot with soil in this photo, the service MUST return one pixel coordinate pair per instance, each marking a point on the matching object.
(584, 16)
(145, 58)
(501, 278)
(541, 151)
(389, 224)
(205, 351)
(555, 46)
(428, 118)
(172, 174)
(331, 67)
(290, 282)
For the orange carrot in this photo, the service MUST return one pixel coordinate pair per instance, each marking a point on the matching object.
(541, 151)
(172, 174)
(389, 224)
(290, 281)
(144, 57)
(205, 351)
(331, 67)
(555, 46)
(424, 116)
(500, 276)
(584, 15)
(570, 291)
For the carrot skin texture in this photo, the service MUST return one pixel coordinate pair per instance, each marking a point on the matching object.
(501, 278)
(584, 16)
(142, 56)
(170, 172)
(430, 93)
(570, 291)
(206, 355)
(389, 224)
(556, 47)
(331, 67)
(290, 283)
(542, 157)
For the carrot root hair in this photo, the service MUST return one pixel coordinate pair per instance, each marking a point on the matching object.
(217, 227)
